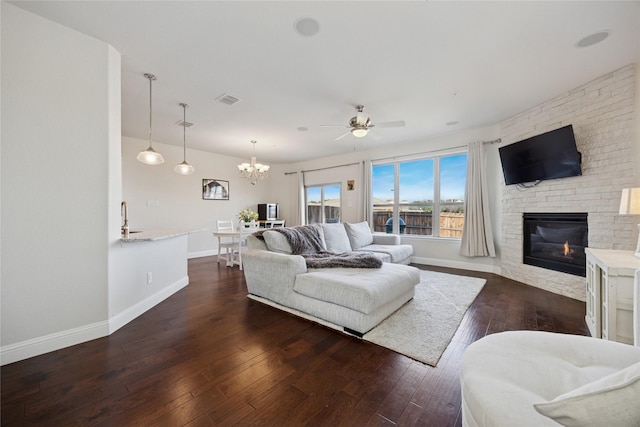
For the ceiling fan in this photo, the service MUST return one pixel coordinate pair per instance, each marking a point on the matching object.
(360, 124)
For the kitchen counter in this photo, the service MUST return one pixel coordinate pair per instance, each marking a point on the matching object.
(153, 235)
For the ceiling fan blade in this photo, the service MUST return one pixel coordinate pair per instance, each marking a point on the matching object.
(396, 124)
(342, 136)
(333, 126)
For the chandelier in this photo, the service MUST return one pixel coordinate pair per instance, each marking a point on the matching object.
(253, 171)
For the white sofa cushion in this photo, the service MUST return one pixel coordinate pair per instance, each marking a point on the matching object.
(277, 242)
(606, 401)
(359, 234)
(335, 238)
(397, 253)
(361, 289)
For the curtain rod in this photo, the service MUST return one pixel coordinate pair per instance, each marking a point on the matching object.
(321, 169)
(435, 151)
(493, 141)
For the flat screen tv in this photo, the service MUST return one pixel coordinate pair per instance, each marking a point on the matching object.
(550, 155)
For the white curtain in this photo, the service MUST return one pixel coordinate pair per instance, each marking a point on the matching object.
(366, 192)
(301, 211)
(477, 234)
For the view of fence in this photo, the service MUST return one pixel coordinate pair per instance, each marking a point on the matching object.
(415, 222)
(421, 223)
(314, 213)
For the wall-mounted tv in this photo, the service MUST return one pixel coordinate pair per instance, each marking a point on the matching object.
(550, 155)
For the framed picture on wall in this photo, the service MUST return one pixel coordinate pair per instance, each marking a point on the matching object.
(215, 189)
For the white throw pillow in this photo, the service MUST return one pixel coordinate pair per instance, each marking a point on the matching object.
(336, 239)
(610, 401)
(359, 234)
(276, 242)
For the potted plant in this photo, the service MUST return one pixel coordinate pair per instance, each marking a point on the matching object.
(247, 215)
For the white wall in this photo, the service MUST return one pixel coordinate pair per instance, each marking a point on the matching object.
(66, 277)
(602, 113)
(160, 198)
(56, 103)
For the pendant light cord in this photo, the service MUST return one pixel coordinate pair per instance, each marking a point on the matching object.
(184, 132)
(150, 107)
(151, 78)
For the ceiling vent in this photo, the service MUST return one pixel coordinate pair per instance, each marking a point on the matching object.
(227, 99)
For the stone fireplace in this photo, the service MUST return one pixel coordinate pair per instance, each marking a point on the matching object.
(555, 241)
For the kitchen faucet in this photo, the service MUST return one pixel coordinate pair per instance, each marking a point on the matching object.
(123, 214)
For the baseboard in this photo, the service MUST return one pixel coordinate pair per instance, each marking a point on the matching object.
(41, 345)
(48, 343)
(458, 264)
(202, 254)
(119, 320)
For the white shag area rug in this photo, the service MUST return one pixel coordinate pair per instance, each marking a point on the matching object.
(423, 327)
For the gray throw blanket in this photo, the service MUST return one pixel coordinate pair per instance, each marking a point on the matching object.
(347, 259)
(305, 240)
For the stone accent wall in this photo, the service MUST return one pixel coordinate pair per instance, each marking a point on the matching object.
(602, 114)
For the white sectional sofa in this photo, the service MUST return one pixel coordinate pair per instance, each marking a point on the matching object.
(352, 299)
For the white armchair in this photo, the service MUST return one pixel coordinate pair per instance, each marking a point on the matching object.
(536, 379)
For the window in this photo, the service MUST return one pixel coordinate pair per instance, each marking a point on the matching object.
(323, 203)
(426, 196)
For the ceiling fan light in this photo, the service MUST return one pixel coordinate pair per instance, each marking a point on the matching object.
(359, 132)
(150, 156)
(184, 168)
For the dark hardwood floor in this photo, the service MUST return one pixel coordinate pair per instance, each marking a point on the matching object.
(210, 356)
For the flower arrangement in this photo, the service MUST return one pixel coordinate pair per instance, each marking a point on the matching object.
(247, 215)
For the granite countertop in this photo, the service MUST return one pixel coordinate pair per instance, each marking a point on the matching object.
(151, 235)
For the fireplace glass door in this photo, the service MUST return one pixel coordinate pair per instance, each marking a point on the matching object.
(556, 241)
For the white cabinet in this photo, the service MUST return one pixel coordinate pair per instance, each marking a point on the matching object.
(609, 284)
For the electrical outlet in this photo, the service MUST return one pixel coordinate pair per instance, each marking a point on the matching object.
(149, 277)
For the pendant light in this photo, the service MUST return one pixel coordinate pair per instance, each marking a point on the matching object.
(150, 156)
(184, 168)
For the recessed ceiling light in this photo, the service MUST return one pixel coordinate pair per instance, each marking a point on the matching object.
(303, 128)
(307, 27)
(594, 38)
(451, 123)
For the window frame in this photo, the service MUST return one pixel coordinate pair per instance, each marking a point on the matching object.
(396, 161)
(322, 200)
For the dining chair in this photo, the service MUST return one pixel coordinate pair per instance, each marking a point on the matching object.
(226, 243)
(246, 229)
